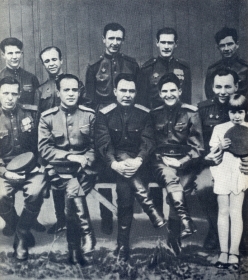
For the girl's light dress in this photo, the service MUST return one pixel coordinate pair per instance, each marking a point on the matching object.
(227, 176)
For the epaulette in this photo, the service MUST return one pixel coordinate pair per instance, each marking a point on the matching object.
(184, 63)
(109, 108)
(150, 62)
(50, 111)
(84, 108)
(205, 103)
(242, 61)
(158, 108)
(131, 59)
(141, 107)
(215, 64)
(188, 106)
(29, 107)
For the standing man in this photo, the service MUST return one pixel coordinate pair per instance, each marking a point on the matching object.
(155, 68)
(11, 49)
(66, 145)
(100, 89)
(51, 58)
(178, 135)
(18, 130)
(228, 44)
(212, 112)
(124, 138)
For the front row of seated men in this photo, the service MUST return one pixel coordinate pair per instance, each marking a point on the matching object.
(126, 136)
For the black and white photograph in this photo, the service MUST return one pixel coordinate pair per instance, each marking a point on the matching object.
(123, 139)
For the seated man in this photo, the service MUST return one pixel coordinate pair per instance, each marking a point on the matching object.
(66, 145)
(124, 138)
(18, 131)
(179, 142)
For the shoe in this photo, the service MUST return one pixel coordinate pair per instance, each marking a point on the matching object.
(234, 266)
(38, 227)
(57, 227)
(221, 265)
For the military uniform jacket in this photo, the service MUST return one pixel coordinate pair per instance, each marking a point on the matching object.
(63, 132)
(235, 63)
(150, 74)
(179, 124)
(100, 77)
(28, 84)
(47, 95)
(124, 129)
(18, 133)
(211, 112)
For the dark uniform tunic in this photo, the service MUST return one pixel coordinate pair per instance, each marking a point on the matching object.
(150, 74)
(179, 125)
(124, 132)
(100, 78)
(64, 132)
(47, 95)
(236, 64)
(18, 134)
(28, 84)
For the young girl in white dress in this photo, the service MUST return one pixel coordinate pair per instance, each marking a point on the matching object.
(229, 185)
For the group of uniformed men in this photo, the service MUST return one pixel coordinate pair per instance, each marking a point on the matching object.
(123, 123)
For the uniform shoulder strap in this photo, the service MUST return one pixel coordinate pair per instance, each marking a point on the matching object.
(84, 108)
(50, 111)
(190, 107)
(29, 107)
(141, 107)
(109, 108)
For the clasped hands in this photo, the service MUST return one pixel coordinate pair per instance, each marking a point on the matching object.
(128, 167)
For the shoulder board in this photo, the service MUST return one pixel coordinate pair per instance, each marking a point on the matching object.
(158, 108)
(84, 108)
(50, 111)
(131, 59)
(188, 106)
(29, 107)
(109, 108)
(149, 62)
(184, 63)
(215, 64)
(242, 61)
(205, 103)
(141, 107)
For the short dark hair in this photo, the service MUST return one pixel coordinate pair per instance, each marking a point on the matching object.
(114, 26)
(225, 32)
(11, 41)
(50, 48)
(237, 102)
(65, 76)
(167, 30)
(223, 71)
(169, 78)
(9, 81)
(124, 76)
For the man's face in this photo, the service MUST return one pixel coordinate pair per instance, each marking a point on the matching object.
(228, 47)
(224, 86)
(125, 92)
(51, 62)
(12, 56)
(170, 93)
(166, 45)
(68, 93)
(9, 95)
(113, 41)
(237, 117)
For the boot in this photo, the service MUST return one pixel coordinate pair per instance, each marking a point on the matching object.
(156, 194)
(88, 240)
(177, 200)
(174, 231)
(23, 233)
(125, 217)
(59, 205)
(11, 220)
(106, 214)
(147, 204)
